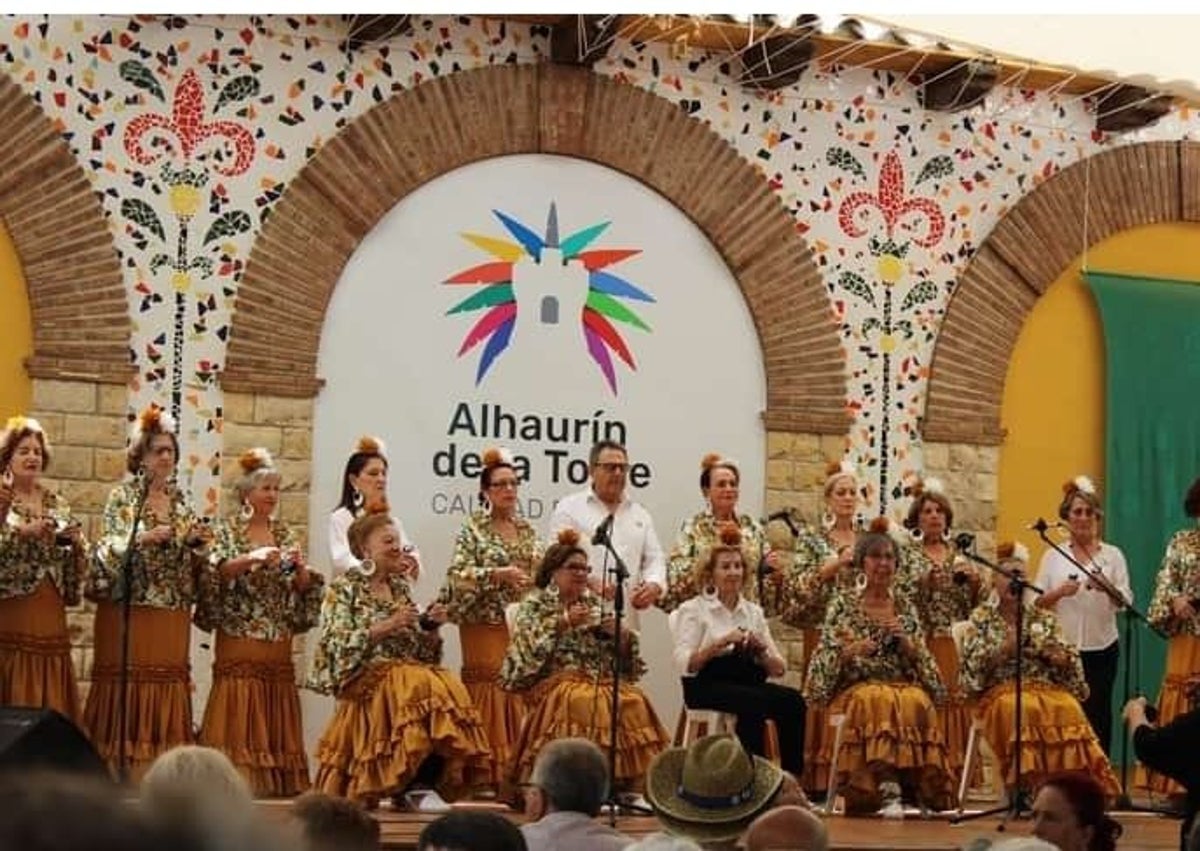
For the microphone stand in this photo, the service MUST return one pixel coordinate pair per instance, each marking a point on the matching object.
(1097, 579)
(1018, 805)
(126, 598)
(620, 573)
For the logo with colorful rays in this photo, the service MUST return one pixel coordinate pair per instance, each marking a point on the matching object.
(603, 310)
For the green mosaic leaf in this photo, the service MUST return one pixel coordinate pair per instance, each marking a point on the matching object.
(937, 168)
(922, 293)
(846, 161)
(143, 215)
(142, 77)
(854, 283)
(238, 89)
(228, 224)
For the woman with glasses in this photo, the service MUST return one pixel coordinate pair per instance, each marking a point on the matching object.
(492, 567)
(1086, 612)
(561, 658)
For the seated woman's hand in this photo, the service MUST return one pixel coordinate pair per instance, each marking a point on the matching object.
(577, 615)
(859, 649)
(437, 613)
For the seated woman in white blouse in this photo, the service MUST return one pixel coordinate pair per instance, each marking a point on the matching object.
(725, 652)
(364, 491)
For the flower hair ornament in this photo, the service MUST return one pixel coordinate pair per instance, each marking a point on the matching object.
(1080, 484)
(1012, 551)
(21, 423)
(370, 445)
(714, 459)
(837, 469)
(496, 456)
(153, 420)
(568, 537)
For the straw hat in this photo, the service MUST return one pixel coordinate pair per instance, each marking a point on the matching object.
(712, 789)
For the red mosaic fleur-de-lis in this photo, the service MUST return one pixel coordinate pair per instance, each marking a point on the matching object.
(890, 201)
(186, 124)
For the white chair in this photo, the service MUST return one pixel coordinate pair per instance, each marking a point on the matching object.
(838, 722)
(694, 723)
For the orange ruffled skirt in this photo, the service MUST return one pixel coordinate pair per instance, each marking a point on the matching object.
(388, 720)
(1055, 735)
(35, 652)
(571, 704)
(955, 716)
(893, 725)
(253, 714)
(159, 703)
(1183, 665)
(502, 712)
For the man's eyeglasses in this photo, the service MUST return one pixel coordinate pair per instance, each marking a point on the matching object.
(612, 466)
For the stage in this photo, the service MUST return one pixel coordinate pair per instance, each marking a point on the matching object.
(1142, 831)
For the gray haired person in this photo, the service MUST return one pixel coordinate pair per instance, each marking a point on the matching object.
(568, 787)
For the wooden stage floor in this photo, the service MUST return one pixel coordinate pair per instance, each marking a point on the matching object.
(1142, 831)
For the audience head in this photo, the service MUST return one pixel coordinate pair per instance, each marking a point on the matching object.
(1192, 841)
(1069, 812)
(364, 480)
(663, 842)
(153, 447)
(609, 464)
(557, 555)
(328, 823)
(711, 790)
(47, 811)
(471, 830)
(793, 828)
(195, 789)
(570, 775)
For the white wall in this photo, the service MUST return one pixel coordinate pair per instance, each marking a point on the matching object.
(388, 355)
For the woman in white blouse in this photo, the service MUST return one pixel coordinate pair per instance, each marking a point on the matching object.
(364, 491)
(725, 652)
(1086, 613)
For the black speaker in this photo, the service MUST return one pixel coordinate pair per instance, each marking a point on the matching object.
(42, 738)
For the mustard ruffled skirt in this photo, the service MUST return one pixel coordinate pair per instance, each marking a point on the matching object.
(954, 717)
(388, 720)
(1055, 735)
(159, 704)
(253, 714)
(502, 712)
(1183, 665)
(35, 653)
(570, 704)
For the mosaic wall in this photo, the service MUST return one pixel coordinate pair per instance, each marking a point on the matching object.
(192, 128)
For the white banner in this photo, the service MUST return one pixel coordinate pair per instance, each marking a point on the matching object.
(538, 303)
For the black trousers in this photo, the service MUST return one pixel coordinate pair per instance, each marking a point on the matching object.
(1100, 671)
(753, 704)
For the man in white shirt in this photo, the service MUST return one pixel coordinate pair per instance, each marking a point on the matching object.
(569, 785)
(631, 529)
(1086, 613)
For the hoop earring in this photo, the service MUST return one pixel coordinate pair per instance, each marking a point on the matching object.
(485, 504)
(358, 499)
(946, 537)
(828, 520)
(709, 591)
(367, 566)
(860, 583)
(917, 535)
(247, 511)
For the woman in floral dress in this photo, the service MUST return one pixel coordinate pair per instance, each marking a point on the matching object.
(402, 721)
(492, 568)
(42, 560)
(258, 593)
(561, 657)
(1055, 732)
(170, 554)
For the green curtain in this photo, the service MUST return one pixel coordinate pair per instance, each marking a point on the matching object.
(1152, 441)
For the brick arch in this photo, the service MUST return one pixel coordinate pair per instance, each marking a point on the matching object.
(1026, 252)
(80, 311)
(419, 134)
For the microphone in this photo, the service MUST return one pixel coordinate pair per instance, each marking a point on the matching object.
(1039, 526)
(964, 541)
(603, 530)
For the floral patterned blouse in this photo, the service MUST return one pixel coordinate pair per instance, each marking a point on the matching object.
(469, 592)
(1048, 657)
(348, 611)
(25, 562)
(940, 609)
(830, 671)
(540, 648)
(806, 595)
(1179, 575)
(261, 603)
(164, 575)
(697, 535)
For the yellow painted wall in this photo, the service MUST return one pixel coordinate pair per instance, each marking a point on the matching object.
(16, 332)
(1053, 405)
